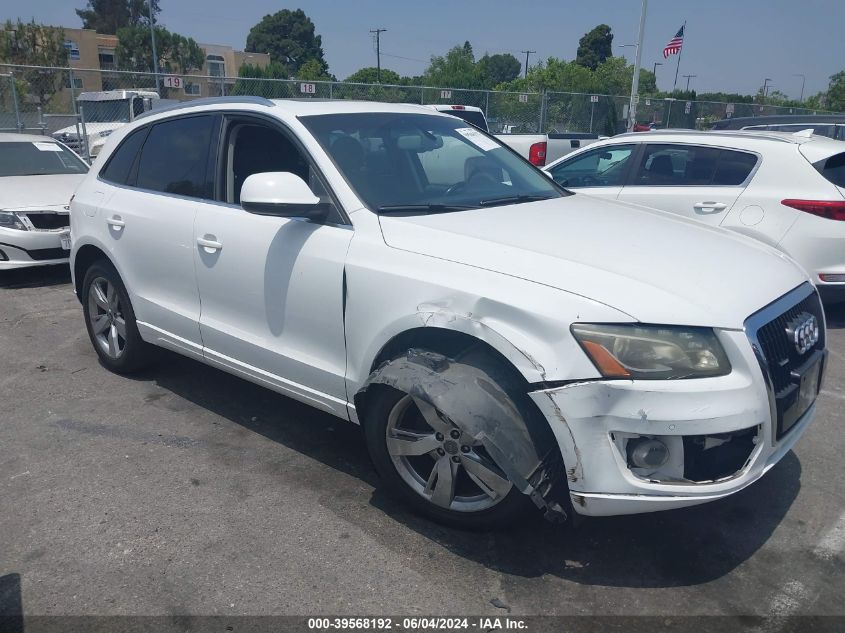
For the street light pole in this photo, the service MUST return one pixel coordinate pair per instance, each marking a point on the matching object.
(635, 82)
(765, 88)
(654, 69)
(803, 81)
(153, 40)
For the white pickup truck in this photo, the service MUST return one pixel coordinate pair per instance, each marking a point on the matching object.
(539, 149)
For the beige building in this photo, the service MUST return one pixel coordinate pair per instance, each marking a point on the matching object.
(88, 49)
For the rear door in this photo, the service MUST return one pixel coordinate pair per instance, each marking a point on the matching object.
(601, 171)
(695, 181)
(149, 224)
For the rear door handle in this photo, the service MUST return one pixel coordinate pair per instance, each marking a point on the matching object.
(209, 244)
(116, 221)
(710, 207)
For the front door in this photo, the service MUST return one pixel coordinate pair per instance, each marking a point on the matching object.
(272, 288)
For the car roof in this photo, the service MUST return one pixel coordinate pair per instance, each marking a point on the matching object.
(440, 107)
(751, 140)
(295, 107)
(12, 137)
(780, 119)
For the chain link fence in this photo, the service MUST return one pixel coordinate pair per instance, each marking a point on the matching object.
(81, 107)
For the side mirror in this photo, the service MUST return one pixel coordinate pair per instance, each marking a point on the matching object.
(281, 194)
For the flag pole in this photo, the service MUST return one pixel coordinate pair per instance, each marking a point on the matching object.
(680, 52)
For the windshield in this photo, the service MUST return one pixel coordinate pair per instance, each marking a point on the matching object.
(105, 111)
(418, 163)
(21, 158)
(470, 116)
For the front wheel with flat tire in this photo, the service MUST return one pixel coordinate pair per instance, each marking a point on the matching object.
(110, 320)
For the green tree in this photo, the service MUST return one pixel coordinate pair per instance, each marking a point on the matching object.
(289, 38)
(31, 44)
(498, 69)
(835, 97)
(176, 53)
(594, 47)
(369, 75)
(455, 69)
(313, 70)
(258, 81)
(107, 16)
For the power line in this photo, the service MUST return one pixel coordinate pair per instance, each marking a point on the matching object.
(378, 33)
(527, 53)
(410, 59)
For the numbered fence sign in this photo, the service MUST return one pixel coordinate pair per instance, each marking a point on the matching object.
(172, 81)
(523, 98)
(594, 98)
(445, 94)
(688, 107)
(308, 89)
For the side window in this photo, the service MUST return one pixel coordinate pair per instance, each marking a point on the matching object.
(253, 148)
(677, 165)
(733, 167)
(175, 157)
(120, 163)
(603, 167)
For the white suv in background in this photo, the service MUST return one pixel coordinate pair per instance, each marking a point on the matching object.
(787, 190)
(499, 338)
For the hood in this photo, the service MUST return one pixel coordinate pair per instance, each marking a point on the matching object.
(26, 192)
(93, 129)
(655, 267)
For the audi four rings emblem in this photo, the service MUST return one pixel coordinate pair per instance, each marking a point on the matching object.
(804, 332)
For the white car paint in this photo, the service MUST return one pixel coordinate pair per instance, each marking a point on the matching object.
(305, 308)
(785, 171)
(32, 197)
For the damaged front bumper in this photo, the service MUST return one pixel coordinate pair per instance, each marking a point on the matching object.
(715, 436)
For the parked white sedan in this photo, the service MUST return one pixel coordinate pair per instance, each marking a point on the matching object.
(787, 190)
(37, 179)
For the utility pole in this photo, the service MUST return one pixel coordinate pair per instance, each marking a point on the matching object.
(153, 39)
(378, 33)
(654, 69)
(527, 53)
(635, 83)
(688, 78)
(803, 81)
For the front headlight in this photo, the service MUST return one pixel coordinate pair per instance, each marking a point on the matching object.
(652, 352)
(10, 220)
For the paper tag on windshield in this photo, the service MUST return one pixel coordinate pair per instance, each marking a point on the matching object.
(477, 138)
(47, 147)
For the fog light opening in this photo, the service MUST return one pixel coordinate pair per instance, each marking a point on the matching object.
(646, 452)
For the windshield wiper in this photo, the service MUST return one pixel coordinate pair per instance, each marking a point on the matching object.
(423, 208)
(492, 202)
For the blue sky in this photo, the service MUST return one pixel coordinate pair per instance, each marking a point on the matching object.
(731, 45)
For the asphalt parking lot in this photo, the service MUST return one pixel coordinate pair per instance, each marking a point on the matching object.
(184, 490)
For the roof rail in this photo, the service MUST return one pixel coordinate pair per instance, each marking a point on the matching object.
(209, 101)
(759, 134)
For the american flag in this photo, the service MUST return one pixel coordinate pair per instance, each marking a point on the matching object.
(675, 44)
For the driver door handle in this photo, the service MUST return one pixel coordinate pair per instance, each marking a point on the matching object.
(209, 244)
(116, 221)
(710, 207)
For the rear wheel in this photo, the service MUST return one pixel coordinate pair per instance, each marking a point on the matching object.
(437, 468)
(110, 320)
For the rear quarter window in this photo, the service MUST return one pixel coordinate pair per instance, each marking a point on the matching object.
(733, 168)
(833, 169)
(119, 164)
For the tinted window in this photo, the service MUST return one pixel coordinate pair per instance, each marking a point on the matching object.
(120, 163)
(677, 165)
(470, 116)
(25, 158)
(175, 157)
(733, 167)
(604, 167)
(833, 169)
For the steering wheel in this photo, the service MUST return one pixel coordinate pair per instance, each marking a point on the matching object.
(463, 184)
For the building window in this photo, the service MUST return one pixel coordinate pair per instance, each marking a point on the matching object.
(192, 89)
(77, 83)
(216, 70)
(107, 58)
(72, 50)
